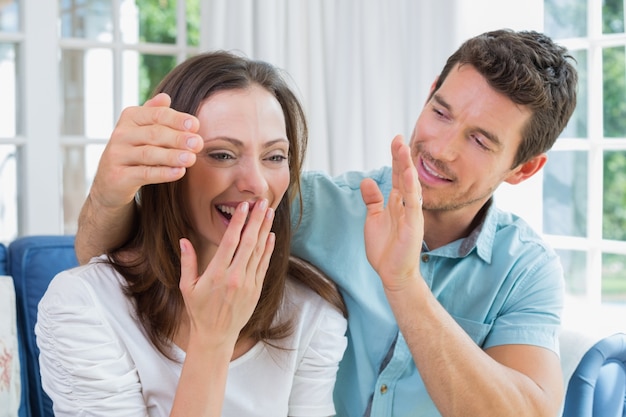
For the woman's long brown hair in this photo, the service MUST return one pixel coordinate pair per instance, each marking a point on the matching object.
(150, 259)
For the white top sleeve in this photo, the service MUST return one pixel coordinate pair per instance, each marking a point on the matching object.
(312, 391)
(85, 369)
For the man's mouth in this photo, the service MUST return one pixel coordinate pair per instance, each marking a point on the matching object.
(431, 172)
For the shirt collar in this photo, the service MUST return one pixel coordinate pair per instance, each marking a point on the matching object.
(483, 235)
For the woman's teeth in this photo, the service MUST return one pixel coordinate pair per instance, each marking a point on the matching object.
(228, 210)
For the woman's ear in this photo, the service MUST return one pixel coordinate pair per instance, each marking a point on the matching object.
(527, 169)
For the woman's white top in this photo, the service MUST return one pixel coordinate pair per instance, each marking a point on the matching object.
(96, 359)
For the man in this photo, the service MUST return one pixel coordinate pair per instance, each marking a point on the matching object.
(461, 322)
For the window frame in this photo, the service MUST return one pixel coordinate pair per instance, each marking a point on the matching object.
(595, 145)
(39, 142)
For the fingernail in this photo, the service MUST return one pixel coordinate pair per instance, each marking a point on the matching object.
(244, 206)
(176, 172)
(184, 157)
(188, 124)
(263, 204)
(269, 213)
(192, 142)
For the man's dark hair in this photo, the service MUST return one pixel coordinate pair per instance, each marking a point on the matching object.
(533, 71)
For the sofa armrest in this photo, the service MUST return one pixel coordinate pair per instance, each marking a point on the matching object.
(597, 387)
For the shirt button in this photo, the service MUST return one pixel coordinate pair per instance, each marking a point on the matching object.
(383, 389)
(425, 258)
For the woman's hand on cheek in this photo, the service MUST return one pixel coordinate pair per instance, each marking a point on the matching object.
(222, 299)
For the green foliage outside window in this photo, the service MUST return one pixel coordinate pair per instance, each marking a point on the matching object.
(157, 24)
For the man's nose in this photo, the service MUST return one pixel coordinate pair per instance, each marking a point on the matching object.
(447, 145)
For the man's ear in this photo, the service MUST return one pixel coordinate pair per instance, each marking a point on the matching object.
(527, 169)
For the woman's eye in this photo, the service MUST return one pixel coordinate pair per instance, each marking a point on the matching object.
(277, 158)
(221, 156)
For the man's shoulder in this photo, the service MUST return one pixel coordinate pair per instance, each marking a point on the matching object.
(516, 238)
(510, 225)
(348, 179)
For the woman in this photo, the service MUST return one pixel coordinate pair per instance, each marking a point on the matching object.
(202, 311)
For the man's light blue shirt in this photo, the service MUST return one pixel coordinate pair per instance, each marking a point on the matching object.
(502, 284)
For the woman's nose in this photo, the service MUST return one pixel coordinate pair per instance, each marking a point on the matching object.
(252, 180)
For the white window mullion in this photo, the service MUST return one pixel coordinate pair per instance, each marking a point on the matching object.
(181, 36)
(39, 173)
(117, 59)
(595, 157)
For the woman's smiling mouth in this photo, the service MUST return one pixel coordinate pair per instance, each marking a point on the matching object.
(228, 210)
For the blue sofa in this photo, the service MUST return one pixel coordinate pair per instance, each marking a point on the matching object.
(32, 262)
(597, 386)
(3, 259)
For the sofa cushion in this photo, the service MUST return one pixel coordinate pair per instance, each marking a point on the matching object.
(33, 261)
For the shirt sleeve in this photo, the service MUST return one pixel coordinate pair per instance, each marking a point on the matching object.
(532, 313)
(84, 368)
(314, 380)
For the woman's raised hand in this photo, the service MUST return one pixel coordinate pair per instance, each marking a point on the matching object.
(221, 300)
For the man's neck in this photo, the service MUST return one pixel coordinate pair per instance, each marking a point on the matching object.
(443, 227)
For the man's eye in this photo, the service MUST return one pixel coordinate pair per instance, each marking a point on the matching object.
(480, 143)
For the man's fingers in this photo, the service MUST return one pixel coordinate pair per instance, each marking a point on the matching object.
(159, 100)
(372, 196)
(405, 179)
(155, 156)
(396, 147)
(159, 126)
(163, 114)
(155, 175)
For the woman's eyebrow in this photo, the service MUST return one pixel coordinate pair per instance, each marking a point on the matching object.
(240, 144)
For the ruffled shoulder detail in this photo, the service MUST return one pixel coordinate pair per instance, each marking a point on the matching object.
(84, 367)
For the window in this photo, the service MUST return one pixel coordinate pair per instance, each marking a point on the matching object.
(113, 53)
(11, 39)
(584, 213)
(63, 90)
